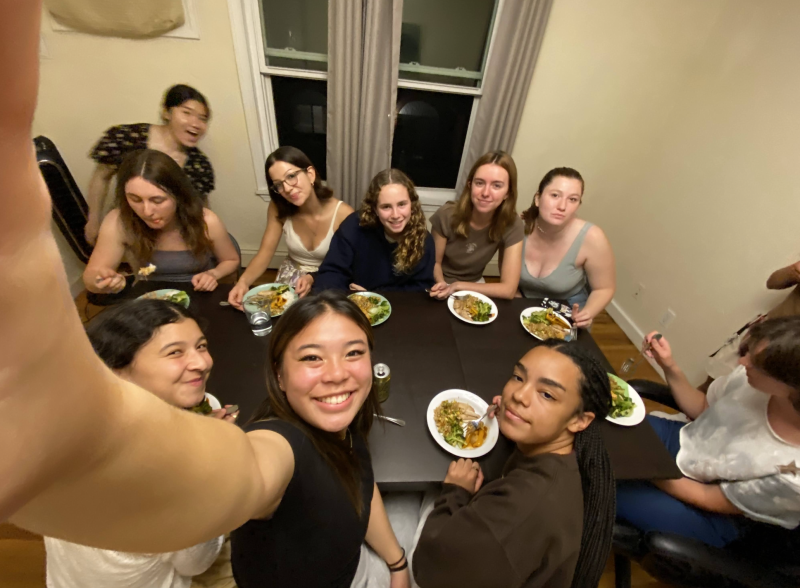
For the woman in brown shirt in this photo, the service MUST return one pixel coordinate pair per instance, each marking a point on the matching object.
(468, 232)
(548, 521)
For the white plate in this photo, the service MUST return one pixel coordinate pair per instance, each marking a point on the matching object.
(383, 299)
(290, 296)
(164, 295)
(450, 302)
(528, 311)
(638, 414)
(480, 407)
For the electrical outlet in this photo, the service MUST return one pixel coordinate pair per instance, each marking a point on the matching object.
(637, 295)
(668, 317)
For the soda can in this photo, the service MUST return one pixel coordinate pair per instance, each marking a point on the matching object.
(381, 377)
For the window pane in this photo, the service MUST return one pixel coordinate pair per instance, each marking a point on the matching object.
(301, 115)
(441, 35)
(429, 136)
(296, 33)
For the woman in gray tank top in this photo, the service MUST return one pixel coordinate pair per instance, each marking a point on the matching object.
(564, 257)
(159, 221)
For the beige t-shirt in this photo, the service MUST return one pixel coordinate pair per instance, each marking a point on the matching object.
(465, 259)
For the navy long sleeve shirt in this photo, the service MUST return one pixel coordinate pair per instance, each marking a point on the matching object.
(364, 256)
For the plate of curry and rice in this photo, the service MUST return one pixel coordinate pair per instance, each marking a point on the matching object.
(275, 297)
(450, 416)
(472, 307)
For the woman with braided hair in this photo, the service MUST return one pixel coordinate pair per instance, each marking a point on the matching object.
(386, 246)
(548, 520)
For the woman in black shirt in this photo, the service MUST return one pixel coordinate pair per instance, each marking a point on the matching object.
(320, 408)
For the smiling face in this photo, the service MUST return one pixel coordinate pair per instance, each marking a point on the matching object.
(150, 203)
(187, 122)
(326, 372)
(560, 200)
(174, 365)
(541, 402)
(393, 209)
(295, 184)
(489, 188)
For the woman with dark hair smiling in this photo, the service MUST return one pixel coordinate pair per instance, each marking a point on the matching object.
(160, 347)
(303, 210)
(185, 114)
(159, 221)
(549, 519)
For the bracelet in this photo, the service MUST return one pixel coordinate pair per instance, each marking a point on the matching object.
(399, 568)
(399, 561)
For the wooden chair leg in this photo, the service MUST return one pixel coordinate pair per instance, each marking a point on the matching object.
(622, 571)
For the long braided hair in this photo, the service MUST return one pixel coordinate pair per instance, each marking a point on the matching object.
(597, 477)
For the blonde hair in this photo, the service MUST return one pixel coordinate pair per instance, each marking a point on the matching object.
(411, 246)
(506, 213)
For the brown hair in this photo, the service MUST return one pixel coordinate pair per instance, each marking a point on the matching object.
(336, 452)
(297, 158)
(411, 246)
(163, 172)
(530, 215)
(506, 213)
(780, 356)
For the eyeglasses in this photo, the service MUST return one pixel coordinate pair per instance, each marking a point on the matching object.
(290, 180)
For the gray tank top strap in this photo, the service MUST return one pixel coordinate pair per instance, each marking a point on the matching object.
(572, 253)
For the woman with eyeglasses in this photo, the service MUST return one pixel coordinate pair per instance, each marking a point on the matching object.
(303, 210)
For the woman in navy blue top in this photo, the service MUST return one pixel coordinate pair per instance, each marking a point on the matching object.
(385, 245)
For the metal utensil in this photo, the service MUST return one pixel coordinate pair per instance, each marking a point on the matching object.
(224, 303)
(629, 365)
(398, 422)
(475, 424)
(232, 409)
(456, 296)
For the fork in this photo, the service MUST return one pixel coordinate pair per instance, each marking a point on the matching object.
(398, 422)
(475, 424)
(629, 365)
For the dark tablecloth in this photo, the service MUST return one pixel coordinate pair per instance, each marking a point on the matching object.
(428, 350)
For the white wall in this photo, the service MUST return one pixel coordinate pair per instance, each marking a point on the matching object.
(683, 118)
(89, 83)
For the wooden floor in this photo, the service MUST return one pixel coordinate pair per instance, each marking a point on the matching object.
(22, 554)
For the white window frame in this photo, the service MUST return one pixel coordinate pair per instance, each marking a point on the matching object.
(259, 106)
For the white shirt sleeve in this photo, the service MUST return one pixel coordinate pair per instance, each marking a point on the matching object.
(196, 560)
(771, 499)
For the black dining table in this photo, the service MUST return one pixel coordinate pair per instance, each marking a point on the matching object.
(428, 350)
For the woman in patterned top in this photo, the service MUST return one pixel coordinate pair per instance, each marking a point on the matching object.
(185, 115)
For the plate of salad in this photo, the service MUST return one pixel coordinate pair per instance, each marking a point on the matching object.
(374, 306)
(176, 296)
(627, 407)
(472, 307)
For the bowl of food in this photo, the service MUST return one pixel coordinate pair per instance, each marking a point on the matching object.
(545, 323)
(275, 297)
(450, 415)
(176, 296)
(472, 307)
(627, 407)
(374, 306)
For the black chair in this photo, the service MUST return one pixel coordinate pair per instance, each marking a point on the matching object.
(765, 557)
(70, 210)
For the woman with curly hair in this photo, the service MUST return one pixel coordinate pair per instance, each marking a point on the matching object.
(483, 221)
(386, 246)
(159, 220)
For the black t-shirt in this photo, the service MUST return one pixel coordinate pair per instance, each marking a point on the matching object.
(314, 537)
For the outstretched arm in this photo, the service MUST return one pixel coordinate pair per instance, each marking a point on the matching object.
(86, 456)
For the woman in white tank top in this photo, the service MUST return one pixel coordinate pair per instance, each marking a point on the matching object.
(305, 212)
